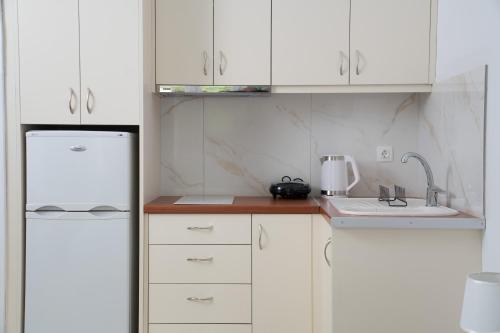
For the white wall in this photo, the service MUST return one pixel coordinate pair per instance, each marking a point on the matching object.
(469, 36)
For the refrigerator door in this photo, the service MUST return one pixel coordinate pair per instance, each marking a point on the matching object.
(78, 272)
(79, 170)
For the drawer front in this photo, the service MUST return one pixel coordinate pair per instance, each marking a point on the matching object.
(200, 263)
(199, 303)
(199, 229)
(200, 328)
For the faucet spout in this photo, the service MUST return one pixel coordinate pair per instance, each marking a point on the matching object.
(432, 189)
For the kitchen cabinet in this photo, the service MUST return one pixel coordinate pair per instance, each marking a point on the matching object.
(49, 73)
(310, 42)
(322, 249)
(70, 72)
(110, 61)
(184, 42)
(242, 42)
(213, 42)
(354, 44)
(390, 41)
(401, 280)
(281, 273)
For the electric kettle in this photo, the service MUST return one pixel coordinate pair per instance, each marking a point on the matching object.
(334, 175)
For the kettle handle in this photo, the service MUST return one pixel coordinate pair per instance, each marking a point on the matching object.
(355, 171)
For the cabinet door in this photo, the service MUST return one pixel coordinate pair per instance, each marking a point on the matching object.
(49, 62)
(322, 247)
(242, 39)
(109, 50)
(184, 42)
(396, 281)
(281, 273)
(310, 42)
(390, 41)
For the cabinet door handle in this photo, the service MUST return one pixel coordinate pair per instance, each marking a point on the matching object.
(325, 251)
(342, 58)
(358, 60)
(200, 299)
(222, 63)
(205, 63)
(208, 259)
(209, 228)
(72, 100)
(261, 231)
(90, 96)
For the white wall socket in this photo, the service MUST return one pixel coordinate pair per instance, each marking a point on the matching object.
(385, 154)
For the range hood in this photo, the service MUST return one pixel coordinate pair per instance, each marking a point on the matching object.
(213, 90)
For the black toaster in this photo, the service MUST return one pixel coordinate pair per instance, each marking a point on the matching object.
(290, 189)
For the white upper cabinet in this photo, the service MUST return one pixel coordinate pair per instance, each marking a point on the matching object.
(109, 53)
(390, 41)
(310, 42)
(184, 42)
(242, 42)
(79, 62)
(49, 62)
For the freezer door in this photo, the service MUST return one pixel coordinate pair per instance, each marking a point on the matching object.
(79, 170)
(78, 273)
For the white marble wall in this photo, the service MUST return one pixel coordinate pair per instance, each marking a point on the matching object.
(451, 136)
(239, 145)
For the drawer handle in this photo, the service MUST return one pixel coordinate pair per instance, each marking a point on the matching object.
(209, 228)
(198, 299)
(208, 259)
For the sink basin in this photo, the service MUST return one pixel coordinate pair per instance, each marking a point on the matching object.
(371, 206)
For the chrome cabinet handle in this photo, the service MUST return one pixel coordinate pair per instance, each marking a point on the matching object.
(78, 148)
(261, 231)
(342, 57)
(209, 228)
(222, 63)
(198, 299)
(205, 62)
(90, 106)
(358, 59)
(325, 251)
(208, 259)
(72, 99)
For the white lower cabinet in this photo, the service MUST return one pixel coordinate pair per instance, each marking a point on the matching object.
(281, 273)
(322, 250)
(200, 303)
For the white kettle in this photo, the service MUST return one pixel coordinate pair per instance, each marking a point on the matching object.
(334, 176)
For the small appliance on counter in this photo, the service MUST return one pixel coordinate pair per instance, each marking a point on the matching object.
(290, 189)
(334, 175)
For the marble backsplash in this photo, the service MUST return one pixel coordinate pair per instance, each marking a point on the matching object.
(451, 136)
(239, 145)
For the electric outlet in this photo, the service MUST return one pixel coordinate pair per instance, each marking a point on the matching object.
(384, 154)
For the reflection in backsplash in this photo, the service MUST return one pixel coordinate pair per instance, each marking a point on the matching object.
(239, 145)
(451, 135)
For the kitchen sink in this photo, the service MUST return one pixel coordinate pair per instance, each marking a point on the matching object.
(372, 206)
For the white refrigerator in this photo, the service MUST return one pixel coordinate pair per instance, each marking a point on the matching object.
(79, 232)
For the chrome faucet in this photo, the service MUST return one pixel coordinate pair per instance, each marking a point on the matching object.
(432, 189)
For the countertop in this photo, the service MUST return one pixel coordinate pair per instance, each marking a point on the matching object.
(241, 205)
(268, 205)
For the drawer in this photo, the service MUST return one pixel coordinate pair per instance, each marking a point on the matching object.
(200, 263)
(199, 303)
(200, 328)
(200, 229)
